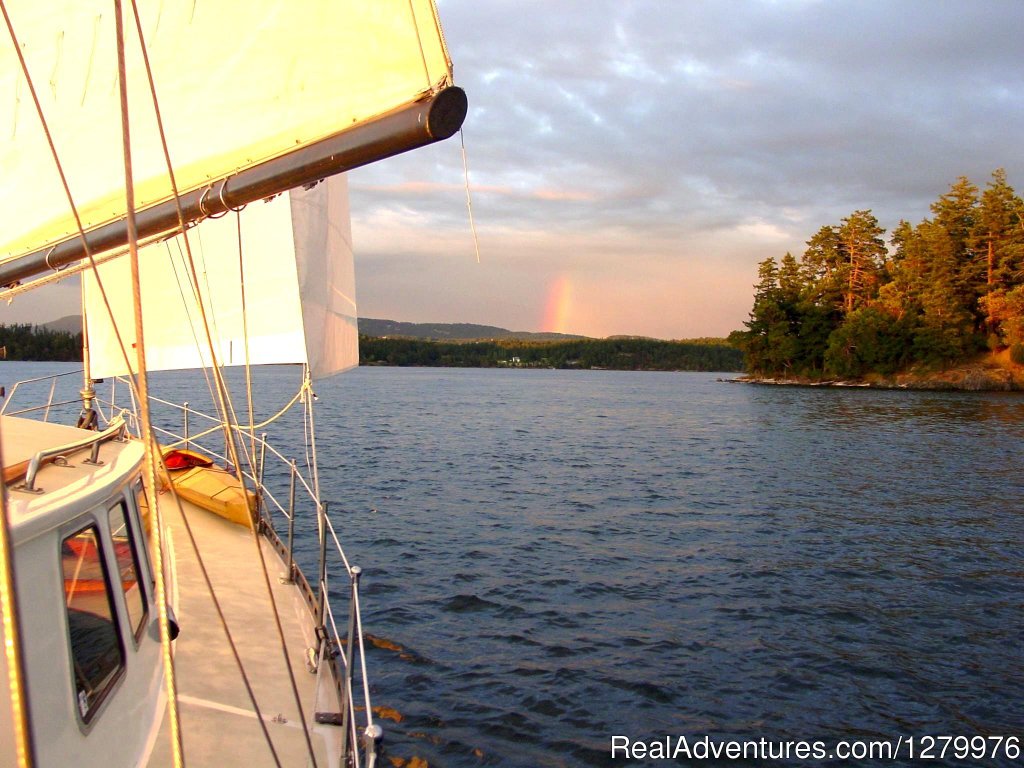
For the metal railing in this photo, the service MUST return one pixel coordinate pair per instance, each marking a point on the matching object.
(115, 431)
(46, 407)
(343, 657)
(360, 747)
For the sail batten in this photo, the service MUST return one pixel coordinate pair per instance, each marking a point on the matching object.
(296, 73)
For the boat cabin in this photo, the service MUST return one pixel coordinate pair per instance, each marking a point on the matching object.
(88, 625)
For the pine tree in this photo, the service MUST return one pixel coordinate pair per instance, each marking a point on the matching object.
(863, 252)
(999, 237)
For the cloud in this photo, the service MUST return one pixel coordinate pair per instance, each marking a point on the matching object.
(696, 139)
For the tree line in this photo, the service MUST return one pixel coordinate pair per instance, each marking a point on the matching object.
(35, 342)
(940, 292)
(27, 342)
(626, 354)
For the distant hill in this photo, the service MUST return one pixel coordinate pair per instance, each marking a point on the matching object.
(379, 328)
(451, 331)
(369, 326)
(67, 324)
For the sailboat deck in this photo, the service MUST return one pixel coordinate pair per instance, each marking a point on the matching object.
(218, 718)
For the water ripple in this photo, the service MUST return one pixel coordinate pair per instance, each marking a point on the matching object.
(563, 556)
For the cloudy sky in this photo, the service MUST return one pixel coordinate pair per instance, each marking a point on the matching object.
(631, 162)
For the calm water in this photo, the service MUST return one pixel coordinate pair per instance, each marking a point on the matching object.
(564, 556)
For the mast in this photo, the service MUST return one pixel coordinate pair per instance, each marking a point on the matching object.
(435, 118)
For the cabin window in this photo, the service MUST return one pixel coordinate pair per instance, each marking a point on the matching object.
(96, 653)
(126, 552)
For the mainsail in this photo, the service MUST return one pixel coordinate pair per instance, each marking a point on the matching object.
(239, 84)
(283, 292)
(256, 97)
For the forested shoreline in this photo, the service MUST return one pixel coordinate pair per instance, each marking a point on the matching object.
(28, 342)
(626, 354)
(947, 289)
(35, 342)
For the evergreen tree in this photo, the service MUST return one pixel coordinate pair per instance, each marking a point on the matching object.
(849, 308)
(999, 236)
(863, 254)
(824, 268)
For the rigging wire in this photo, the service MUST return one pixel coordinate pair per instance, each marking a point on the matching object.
(222, 390)
(165, 645)
(469, 199)
(440, 36)
(419, 42)
(218, 373)
(255, 528)
(146, 431)
(245, 339)
(188, 313)
(86, 248)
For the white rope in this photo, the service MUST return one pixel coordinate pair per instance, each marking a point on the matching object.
(312, 434)
(245, 337)
(469, 199)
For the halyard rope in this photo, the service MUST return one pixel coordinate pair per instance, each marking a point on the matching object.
(225, 399)
(143, 389)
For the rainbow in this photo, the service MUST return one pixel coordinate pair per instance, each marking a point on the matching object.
(558, 307)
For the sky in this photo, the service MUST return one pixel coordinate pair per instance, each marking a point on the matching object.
(630, 163)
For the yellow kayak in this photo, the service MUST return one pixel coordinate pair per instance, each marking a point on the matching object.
(196, 480)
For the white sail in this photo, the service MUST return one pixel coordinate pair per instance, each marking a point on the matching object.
(321, 224)
(299, 297)
(325, 64)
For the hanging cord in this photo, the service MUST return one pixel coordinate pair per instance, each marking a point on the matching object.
(221, 387)
(200, 435)
(222, 390)
(469, 199)
(311, 465)
(245, 338)
(305, 425)
(184, 304)
(143, 385)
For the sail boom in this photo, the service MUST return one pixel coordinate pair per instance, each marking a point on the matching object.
(432, 119)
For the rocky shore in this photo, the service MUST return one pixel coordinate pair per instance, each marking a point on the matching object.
(987, 373)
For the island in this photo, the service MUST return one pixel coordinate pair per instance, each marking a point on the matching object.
(940, 307)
